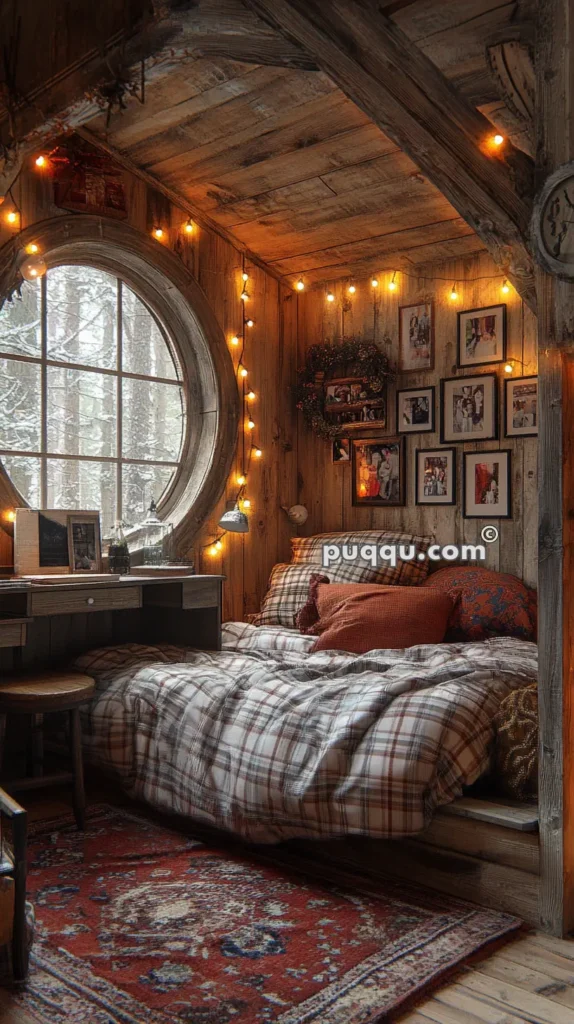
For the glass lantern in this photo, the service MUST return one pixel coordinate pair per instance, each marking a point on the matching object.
(155, 538)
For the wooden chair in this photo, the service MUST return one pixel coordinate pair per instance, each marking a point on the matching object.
(37, 695)
(14, 938)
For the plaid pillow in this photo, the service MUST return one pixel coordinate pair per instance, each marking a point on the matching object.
(289, 589)
(308, 550)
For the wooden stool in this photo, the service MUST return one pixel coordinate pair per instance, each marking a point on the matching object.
(37, 695)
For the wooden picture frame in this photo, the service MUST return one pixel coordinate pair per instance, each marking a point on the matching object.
(84, 542)
(341, 451)
(517, 390)
(378, 471)
(492, 485)
(416, 337)
(483, 329)
(429, 459)
(419, 395)
(469, 408)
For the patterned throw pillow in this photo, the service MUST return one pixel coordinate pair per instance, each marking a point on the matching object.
(406, 574)
(289, 589)
(490, 603)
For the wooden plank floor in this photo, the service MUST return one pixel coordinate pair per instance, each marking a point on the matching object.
(527, 981)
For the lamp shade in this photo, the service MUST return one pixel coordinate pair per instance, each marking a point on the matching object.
(234, 521)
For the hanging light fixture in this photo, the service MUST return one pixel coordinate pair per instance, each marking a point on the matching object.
(33, 268)
(234, 521)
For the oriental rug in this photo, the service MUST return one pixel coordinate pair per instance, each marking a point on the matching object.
(141, 924)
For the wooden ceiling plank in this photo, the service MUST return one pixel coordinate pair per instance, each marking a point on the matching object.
(299, 162)
(372, 246)
(374, 63)
(408, 260)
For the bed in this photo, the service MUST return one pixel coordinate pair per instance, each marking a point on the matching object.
(272, 742)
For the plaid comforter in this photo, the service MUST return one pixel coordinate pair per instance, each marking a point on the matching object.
(271, 742)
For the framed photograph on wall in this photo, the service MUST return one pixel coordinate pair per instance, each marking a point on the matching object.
(416, 337)
(378, 471)
(521, 407)
(435, 476)
(487, 485)
(469, 408)
(482, 336)
(341, 450)
(84, 543)
(415, 410)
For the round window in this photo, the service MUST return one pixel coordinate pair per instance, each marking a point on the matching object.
(92, 402)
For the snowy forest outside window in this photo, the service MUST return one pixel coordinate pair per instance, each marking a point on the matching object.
(92, 411)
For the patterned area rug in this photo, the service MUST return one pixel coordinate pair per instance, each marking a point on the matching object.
(139, 924)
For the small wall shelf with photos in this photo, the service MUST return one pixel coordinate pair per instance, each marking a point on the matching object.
(351, 402)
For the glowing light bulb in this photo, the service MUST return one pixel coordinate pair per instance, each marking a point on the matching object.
(234, 340)
(245, 276)
(393, 283)
(505, 287)
(158, 233)
(250, 323)
(243, 372)
(258, 453)
(330, 297)
(352, 289)
(10, 515)
(454, 293)
(247, 503)
(32, 249)
(251, 396)
(374, 282)
(241, 480)
(250, 425)
(213, 551)
(244, 296)
(40, 161)
(218, 546)
(188, 227)
(12, 218)
(508, 368)
(300, 285)
(498, 139)
(33, 268)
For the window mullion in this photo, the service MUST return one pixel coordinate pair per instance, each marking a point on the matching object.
(44, 393)
(119, 401)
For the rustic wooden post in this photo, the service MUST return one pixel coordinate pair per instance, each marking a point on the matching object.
(553, 237)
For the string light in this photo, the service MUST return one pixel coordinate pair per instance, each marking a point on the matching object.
(241, 480)
(243, 372)
(10, 515)
(32, 248)
(244, 296)
(213, 551)
(188, 227)
(246, 503)
(40, 161)
(157, 233)
(300, 285)
(218, 545)
(454, 293)
(508, 368)
(250, 323)
(245, 276)
(497, 139)
(352, 289)
(251, 396)
(330, 297)
(12, 218)
(250, 425)
(234, 340)
(257, 453)
(374, 282)
(393, 283)
(505, 287)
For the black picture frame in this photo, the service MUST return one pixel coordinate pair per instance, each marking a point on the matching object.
(437, 452)
(418, 429)
(500, 453)
(379, 442)
(513, 381)
(481, 362)
(467, 438)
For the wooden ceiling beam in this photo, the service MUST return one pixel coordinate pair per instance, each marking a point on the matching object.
(408, 97)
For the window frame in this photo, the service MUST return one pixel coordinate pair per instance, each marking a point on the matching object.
(180, 308)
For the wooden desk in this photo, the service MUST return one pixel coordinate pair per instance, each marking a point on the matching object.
(47, 625)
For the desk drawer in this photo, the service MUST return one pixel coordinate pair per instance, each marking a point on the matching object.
(85, 599)
(12, 634)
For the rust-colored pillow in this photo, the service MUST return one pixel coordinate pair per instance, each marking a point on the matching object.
(360, 617)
